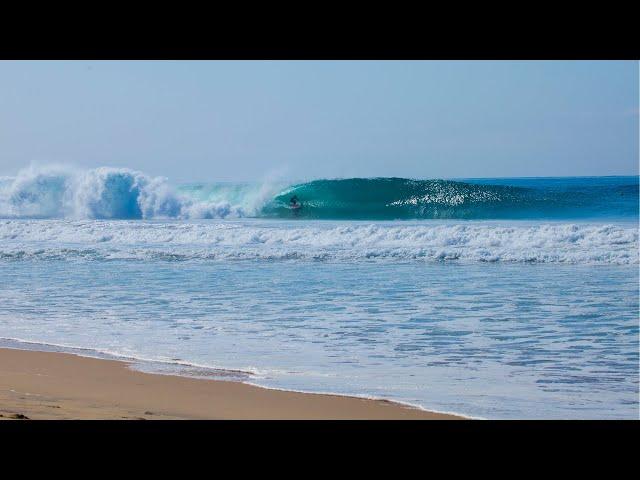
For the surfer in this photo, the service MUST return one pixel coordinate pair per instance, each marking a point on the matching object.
(295, 205)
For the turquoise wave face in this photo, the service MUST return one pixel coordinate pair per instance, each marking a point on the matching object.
(117, 193)
(398, 198)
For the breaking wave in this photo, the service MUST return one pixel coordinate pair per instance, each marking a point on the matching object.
(101, 193)
(120, 193)
(399, 198)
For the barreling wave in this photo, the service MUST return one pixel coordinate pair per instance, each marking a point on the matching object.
(399, 198)
(120, 193)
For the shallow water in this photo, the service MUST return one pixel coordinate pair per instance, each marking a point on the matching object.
(501, 340)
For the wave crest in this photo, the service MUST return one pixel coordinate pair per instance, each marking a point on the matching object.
(100, 193)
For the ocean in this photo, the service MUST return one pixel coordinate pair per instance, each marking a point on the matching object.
(493, 298)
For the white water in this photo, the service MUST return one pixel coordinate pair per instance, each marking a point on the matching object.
(348, 241)
(102, 193)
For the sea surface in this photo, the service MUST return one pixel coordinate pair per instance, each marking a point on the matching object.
(493, 298)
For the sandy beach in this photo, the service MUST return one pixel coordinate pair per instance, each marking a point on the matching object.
(46, 385)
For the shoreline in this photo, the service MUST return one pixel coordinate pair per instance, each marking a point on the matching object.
(57, 385)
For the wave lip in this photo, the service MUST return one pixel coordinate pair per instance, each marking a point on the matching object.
(183, 241)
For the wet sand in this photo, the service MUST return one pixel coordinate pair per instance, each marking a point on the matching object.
(47, 385)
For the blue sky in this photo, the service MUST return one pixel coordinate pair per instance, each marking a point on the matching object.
(209, 121)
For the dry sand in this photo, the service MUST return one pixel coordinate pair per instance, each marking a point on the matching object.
(46, 385)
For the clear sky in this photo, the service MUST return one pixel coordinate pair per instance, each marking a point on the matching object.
(210, 121)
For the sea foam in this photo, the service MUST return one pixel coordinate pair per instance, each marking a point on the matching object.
(101, 193)
(270, 240)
